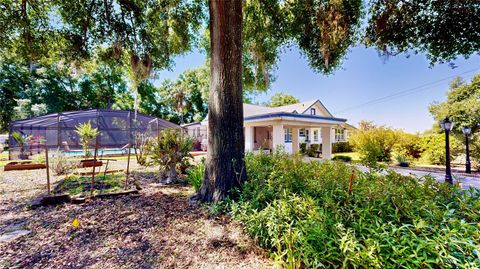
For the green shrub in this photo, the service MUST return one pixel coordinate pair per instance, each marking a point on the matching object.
(342, 158)
(402, 160)
(303, 148)
(303, 214)
(375, 144)
(433, 147)
(312, 150)
(340, 147)
(195, 175)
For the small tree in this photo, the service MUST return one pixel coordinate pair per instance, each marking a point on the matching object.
(87, 133)
(170, 149)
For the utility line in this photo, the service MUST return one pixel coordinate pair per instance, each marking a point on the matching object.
(405, 92)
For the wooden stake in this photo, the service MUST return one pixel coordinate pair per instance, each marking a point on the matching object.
(94, 165)
(128, 166)
(351, 181)
(48, 169)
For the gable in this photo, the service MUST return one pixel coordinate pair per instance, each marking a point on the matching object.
(320, 110)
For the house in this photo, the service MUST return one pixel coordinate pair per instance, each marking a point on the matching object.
(268, 128)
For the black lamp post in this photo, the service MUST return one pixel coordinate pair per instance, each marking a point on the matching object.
(466, 131)
(447, 125)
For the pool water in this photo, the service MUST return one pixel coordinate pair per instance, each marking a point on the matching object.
(100, 152)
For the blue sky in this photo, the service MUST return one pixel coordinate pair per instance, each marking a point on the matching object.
(363, 77)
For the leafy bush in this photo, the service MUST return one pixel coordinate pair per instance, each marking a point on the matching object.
(303, 148)
(433, 147)
(339, 147)
(312, 151)
(374, 144)
(195, 175)
(141, 143)
(61, 164)
(303, 214)
(170, 149)
(342, 158)
(408, 145)
(402, 160)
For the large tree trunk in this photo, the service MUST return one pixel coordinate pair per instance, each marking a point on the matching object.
(225, 167)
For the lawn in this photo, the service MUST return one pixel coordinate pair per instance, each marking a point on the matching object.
(354, 155)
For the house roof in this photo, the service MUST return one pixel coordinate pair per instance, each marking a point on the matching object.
(300, 108)
(256, 112)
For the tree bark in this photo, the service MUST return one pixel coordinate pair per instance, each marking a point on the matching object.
(225, 167)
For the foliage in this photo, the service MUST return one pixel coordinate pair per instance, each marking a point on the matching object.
(303, 214)
(195, 175)
(441, 30)
(408, 145)
(339, 147)
(87, 133)
(61, 164)
(80, 185)
(344, 158)
(402, 160)
(312, 150)
(172, 147)
(463, 108)
(141, 148)
(433, 147)
(282, 99)
(303, 148)
(374, 144)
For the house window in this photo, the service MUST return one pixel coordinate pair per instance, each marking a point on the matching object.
(302, 132)
(288, 135)
(339, 135)
(315, 135)
(312, 111)
(198, 131)
(307, 135)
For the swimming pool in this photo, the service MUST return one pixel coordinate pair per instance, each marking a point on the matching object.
(101, 152)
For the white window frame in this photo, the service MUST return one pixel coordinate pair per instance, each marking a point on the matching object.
(301, 132)
(340, 135)
(315, 135)
(288, 135)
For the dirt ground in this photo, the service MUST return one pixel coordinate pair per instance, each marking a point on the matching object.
(154, 229)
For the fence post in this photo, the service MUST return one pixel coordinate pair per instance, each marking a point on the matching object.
(48, 168)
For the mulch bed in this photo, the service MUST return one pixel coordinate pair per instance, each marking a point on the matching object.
(155, 229)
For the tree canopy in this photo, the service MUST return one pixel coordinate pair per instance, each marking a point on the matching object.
(282, 99)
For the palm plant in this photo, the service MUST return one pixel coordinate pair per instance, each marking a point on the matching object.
(87, 133)
(171, 148)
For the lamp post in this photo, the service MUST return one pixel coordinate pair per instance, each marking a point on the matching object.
(447, 125)
(466, 131)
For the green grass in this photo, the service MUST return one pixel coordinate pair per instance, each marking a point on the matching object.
(80, 185)
(354, 155)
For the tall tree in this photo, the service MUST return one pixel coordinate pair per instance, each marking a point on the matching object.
(282, 99)
(244, 36)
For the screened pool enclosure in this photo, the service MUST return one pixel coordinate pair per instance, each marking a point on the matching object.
(117, 129)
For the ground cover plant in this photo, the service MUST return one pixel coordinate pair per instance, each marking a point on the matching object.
(307, 216)
(80, 185)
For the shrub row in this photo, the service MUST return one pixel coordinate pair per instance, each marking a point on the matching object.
(304, 215)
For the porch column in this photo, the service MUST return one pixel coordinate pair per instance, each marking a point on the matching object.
(249, 138)
(278, 136)
(295, 144)
(326, 143)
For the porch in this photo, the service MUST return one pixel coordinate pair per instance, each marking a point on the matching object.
(271, 135)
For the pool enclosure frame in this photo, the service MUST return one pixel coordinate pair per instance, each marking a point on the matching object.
(117, 130)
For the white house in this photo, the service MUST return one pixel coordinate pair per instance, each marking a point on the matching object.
(268, 128)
